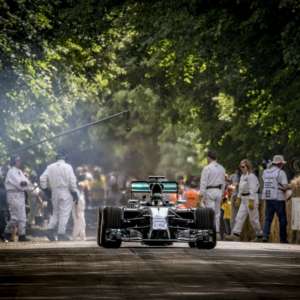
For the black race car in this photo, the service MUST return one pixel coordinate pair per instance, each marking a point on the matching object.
(149, 218)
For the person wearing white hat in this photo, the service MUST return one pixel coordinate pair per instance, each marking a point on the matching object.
(275, 184)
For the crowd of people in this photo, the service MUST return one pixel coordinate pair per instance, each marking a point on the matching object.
(49, 201)
(236, 197)
(60, 192)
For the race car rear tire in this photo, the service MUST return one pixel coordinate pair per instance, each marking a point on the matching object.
(108, 218)
(205, 219)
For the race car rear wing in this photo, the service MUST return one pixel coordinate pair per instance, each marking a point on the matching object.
(168, 187)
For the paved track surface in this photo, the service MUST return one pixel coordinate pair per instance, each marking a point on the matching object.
(81, 270)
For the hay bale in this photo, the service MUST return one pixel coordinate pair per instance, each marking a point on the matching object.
(295, 185)
(248, 233)
(293, 236)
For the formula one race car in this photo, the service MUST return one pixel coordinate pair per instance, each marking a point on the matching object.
(152, 220)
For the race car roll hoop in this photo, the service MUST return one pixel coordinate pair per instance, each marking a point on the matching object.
(149, 218)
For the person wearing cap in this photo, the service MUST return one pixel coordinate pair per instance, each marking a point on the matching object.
(16, 184)
(59, 177)
(275, 184)
(212, 185)
(248, 195)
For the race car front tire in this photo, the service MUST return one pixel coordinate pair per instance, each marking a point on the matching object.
(205, 219)
(108, 218)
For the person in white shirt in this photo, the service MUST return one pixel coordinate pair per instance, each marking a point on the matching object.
(59, 177)
(275, 185)
(79, 223)
(212, 185)
(16, 184)
(248, 195)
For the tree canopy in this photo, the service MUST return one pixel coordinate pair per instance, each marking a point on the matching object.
(194, 74)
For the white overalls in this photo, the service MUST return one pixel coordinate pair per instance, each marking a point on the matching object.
(212, 186)
(60, 178)
(16, 200)
(248, 189)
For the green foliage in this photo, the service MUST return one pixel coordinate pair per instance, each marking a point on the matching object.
(195, 75)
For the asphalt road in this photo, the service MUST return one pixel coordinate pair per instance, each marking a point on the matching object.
(81, 270)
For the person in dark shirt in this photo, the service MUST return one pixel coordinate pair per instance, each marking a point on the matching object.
(3, 209)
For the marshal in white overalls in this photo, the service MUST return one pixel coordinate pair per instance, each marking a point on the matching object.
(60, 178)
(16, 183)
(248, 191)
(212, 186)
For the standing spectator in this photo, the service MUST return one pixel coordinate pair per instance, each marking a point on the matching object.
(47, 206)
(85, 183)
(80, 175)
(98, 188)
(235, 203)
(79, 224)
(112, 186)
(275, 184)
(35, 202)
(59, 177)
(212, 185)
(87, 186)
(3, 208)
(248, 193)
(226, 207)
(181, 183)
(191, 196)
(114, 194)
(16, 184)
(175, 198)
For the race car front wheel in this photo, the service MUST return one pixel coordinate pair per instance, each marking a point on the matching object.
(108, 218)
(205, 219)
